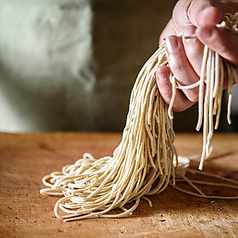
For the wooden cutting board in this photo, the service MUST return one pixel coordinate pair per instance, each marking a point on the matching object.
(26, 158)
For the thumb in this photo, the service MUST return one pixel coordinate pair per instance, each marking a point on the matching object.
(197, 12)
(204, 12)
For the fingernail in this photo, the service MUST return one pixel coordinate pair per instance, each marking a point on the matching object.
(204, 32)
(171, 44)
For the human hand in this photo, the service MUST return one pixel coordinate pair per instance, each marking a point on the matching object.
(194, 17)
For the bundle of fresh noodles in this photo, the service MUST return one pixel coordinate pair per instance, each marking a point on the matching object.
(146, 159)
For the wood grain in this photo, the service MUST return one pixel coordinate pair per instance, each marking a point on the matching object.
(26, 158)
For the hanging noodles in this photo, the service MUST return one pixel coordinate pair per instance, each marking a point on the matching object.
(146, 158)
(212, 74)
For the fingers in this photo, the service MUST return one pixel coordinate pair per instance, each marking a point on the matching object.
(193, 48)
(162, 79)
(202, 12)
(181, 67)
(209, 16)
(221, 41)
(194, 12)
(197, 12)
(193, 17)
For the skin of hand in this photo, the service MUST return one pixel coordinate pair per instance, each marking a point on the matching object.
(194, 18)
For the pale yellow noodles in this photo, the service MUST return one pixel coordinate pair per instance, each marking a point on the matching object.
(145, 160)
(212, 74)
(144, 156)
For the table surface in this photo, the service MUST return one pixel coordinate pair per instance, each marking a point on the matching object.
(24, 212)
